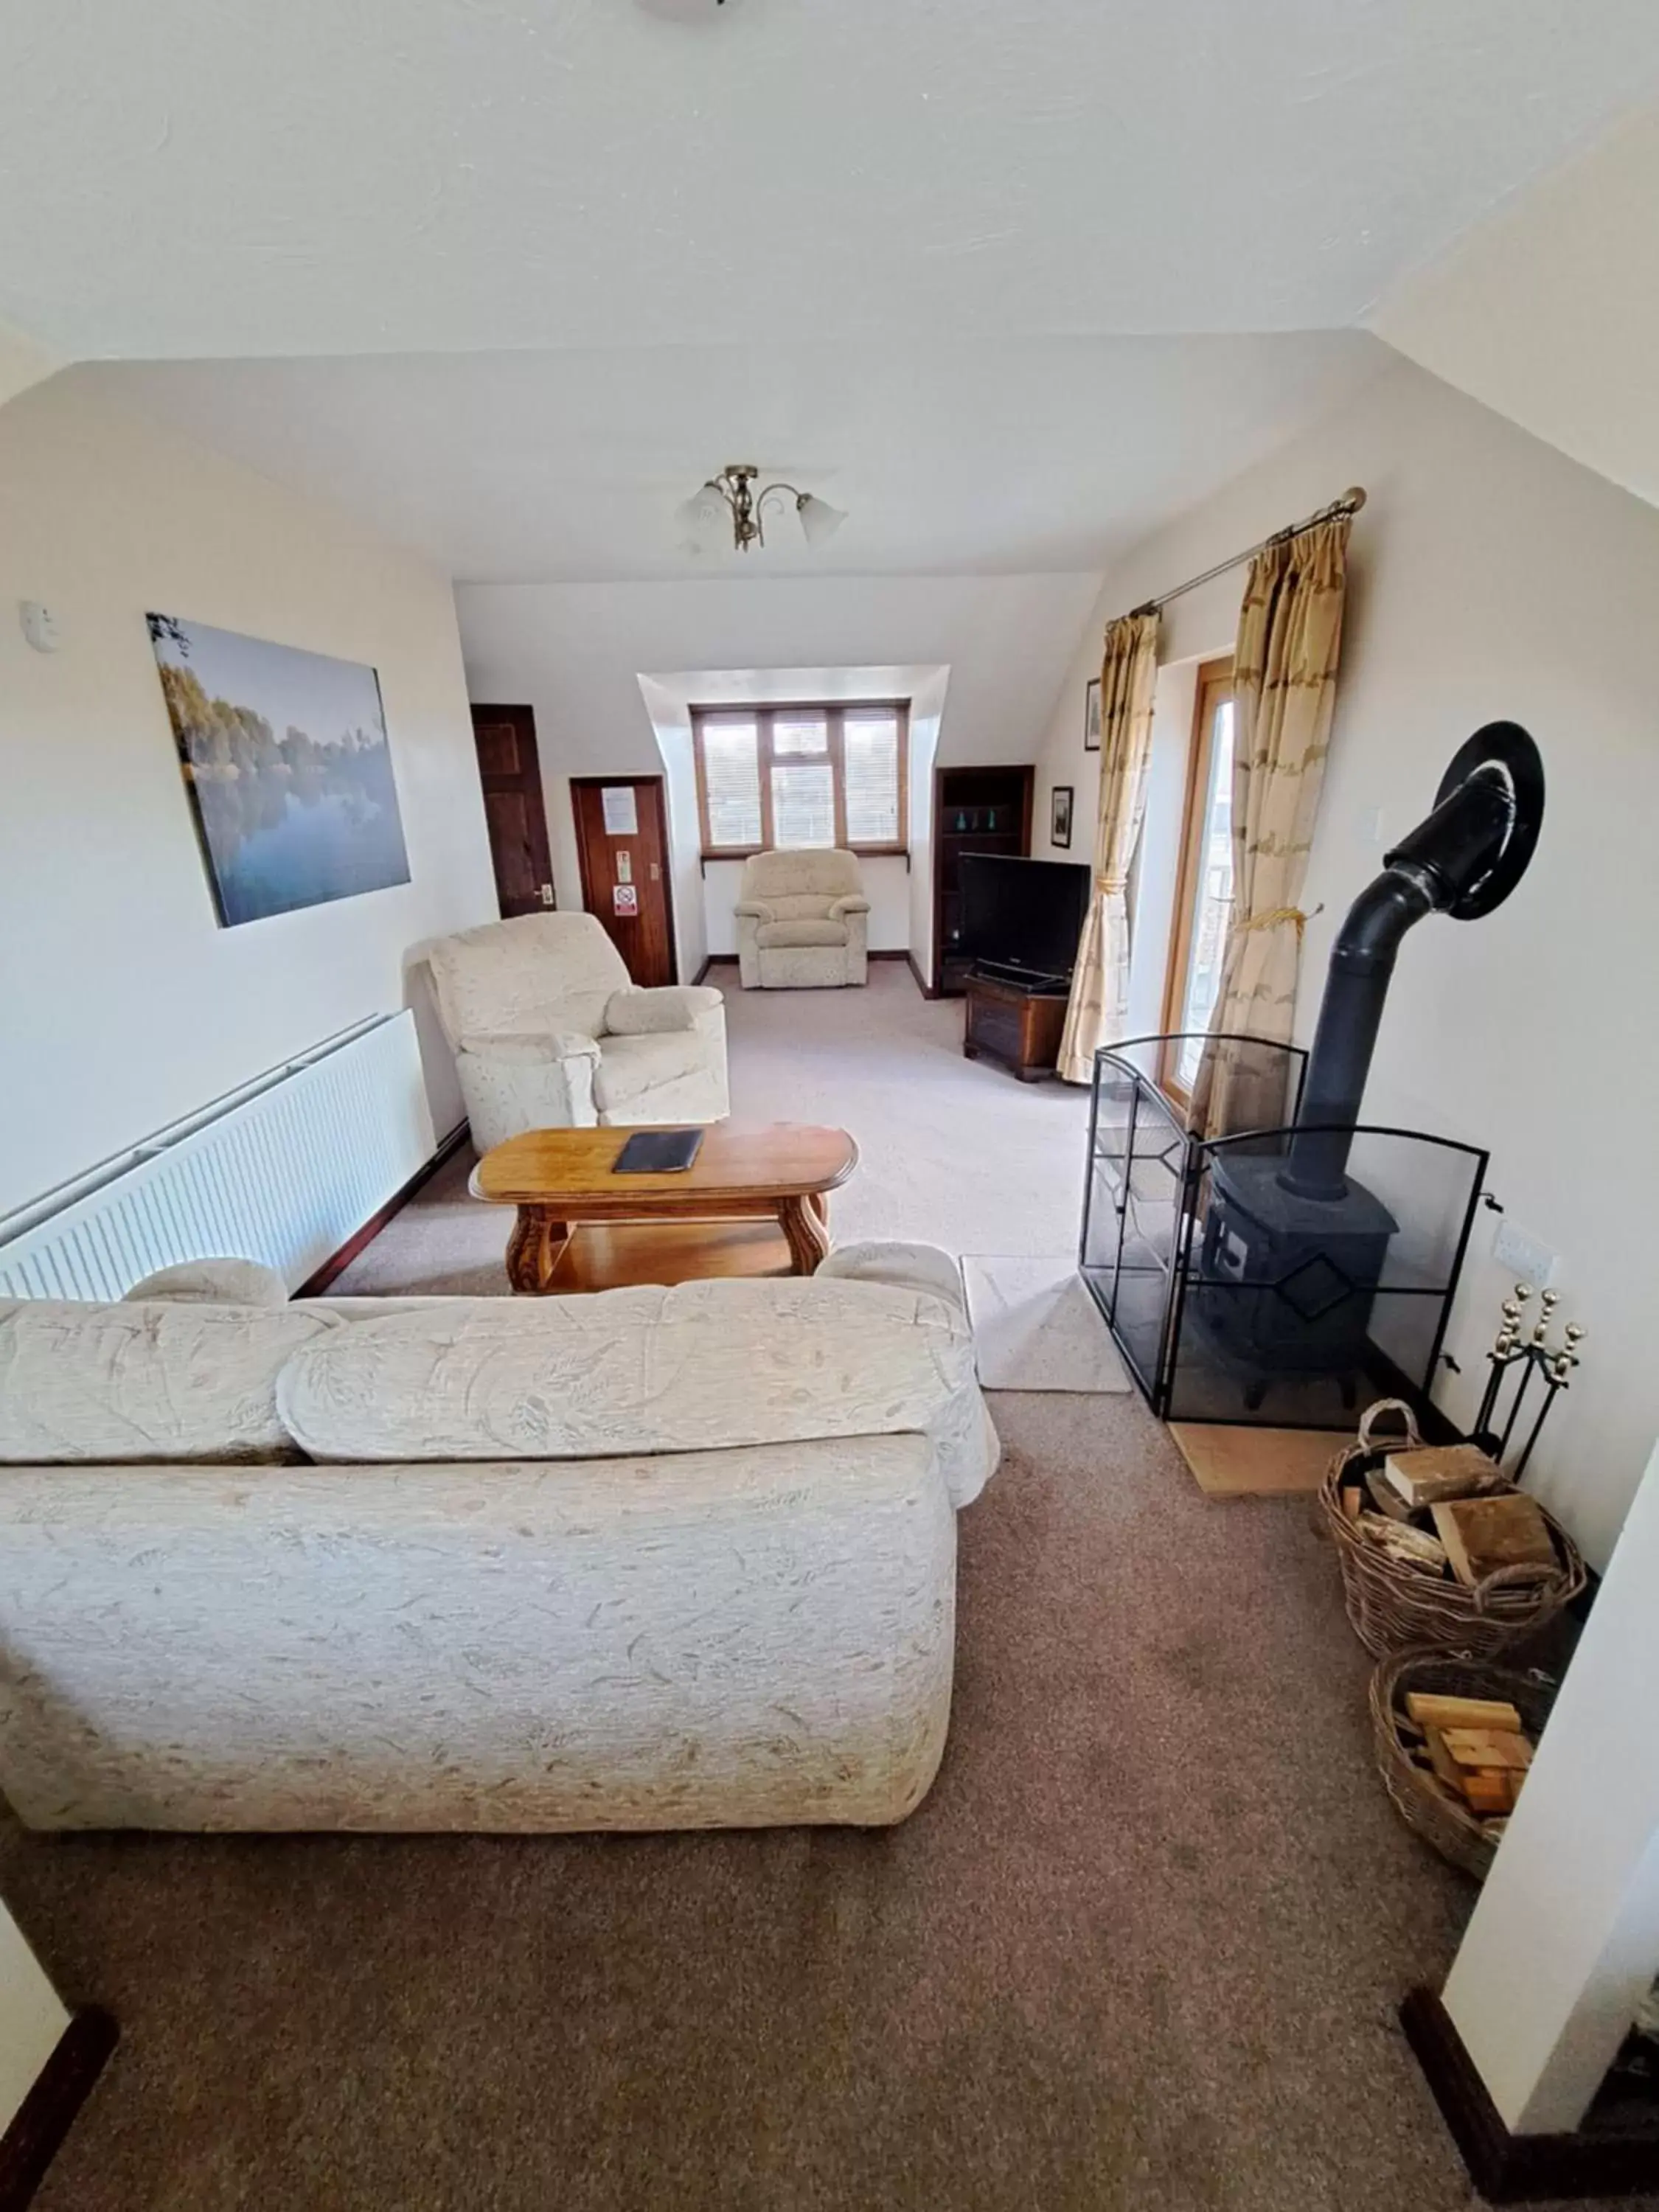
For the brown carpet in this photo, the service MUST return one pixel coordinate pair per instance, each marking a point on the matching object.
(1139, 1949)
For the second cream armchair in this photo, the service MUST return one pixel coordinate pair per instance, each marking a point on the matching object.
(803, 922)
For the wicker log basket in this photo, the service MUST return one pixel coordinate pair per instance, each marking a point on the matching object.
(1394, 1607)
(1421, 1800)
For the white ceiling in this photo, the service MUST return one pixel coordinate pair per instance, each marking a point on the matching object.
(1010, 457)
(397, 175)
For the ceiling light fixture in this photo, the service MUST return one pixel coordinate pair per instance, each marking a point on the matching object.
(732, 495)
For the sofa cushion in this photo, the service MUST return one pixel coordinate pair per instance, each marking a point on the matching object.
(629, 1067)
(213, 1282)
(701, 1365)
(775, 936)
(147, 1381)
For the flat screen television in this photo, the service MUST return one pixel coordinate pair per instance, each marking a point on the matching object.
(1022, 919)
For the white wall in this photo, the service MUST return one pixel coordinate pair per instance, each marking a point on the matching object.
(926, 718)
(1491, 578)
(126, 1005)
(23, 363)
(1564, 1944)
(32, 2018)
(672, 721)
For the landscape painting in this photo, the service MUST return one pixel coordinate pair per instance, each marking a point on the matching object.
(286, 758)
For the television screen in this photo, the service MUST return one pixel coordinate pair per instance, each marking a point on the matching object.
(1026, 916)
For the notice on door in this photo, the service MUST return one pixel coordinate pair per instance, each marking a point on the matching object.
(624, 898)
(624, 867)
(622, 813)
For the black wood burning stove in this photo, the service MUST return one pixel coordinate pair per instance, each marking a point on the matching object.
(1276, 1272)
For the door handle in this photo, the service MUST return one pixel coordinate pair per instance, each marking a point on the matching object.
(547, 894)
(655, 872)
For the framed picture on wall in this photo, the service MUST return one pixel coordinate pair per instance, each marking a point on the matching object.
(1060, 815)
(287, 766)
(1091, 717)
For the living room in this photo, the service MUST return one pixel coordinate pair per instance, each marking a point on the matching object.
(449, 419)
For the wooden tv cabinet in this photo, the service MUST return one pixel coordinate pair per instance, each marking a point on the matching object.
(1017, 1026)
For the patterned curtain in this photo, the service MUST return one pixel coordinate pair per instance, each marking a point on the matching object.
(1290, 638)
(1099, 1008)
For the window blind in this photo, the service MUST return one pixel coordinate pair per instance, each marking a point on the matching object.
(731, 762)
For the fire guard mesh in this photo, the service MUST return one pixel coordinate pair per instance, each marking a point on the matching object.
(1234, 1296)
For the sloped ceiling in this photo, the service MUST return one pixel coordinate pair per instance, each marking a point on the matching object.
(1548, 311)
(575, 652)
(1024, 455)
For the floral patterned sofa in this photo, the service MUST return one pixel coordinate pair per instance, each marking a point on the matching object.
(654, 1558)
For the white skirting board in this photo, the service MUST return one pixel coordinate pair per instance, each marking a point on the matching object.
(284, 1171)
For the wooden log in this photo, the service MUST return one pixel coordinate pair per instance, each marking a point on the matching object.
(1481, 1534)
(1488, 1747)
(1430, 1709)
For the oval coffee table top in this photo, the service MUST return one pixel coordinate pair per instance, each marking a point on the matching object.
(768, 1159)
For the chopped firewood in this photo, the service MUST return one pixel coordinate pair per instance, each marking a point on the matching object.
(1487, 1790)
(1385, 1500)
(1429, 1709)
(1445, 1766)
(1488, 1747)
(1352, 1502)
(1481, 1534)
(1401, 1542)
(1434, 1472)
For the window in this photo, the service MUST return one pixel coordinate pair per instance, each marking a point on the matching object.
(1204, 895)
(790, 776)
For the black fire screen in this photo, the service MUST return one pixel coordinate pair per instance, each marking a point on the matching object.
(1233, 1293)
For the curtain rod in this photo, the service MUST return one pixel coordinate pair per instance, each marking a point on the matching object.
(1350, 503)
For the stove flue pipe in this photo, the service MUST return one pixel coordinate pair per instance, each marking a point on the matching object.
(1465, 857)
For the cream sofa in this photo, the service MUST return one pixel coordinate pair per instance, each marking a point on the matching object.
(803, 922)
(549, 1033)
(655, 1559)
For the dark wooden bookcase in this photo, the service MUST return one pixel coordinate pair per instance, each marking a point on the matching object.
(975, 810)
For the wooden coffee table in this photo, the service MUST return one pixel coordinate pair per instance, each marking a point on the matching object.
(752, 1203)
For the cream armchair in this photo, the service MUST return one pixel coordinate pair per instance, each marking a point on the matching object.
(803, 922)
(549, 1033)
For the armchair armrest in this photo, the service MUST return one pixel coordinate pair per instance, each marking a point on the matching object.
(519, 1049)
(854, 902)
(755, 909)
(674, 1006)
(515, 1080)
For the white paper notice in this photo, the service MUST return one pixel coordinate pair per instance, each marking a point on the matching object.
(621, 814)
(624, 868)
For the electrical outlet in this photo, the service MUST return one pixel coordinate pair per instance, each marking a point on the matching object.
(1530, 1261)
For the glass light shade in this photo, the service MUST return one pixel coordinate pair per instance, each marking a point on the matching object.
(704, 514)
(819, 521)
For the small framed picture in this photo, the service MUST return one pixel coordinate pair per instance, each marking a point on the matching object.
(1091, 717)
(1060, 815)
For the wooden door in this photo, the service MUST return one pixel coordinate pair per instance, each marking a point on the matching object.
(621, 838)
(514, 808)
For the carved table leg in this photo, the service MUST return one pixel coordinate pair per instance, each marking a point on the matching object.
(533, 1249)
(802, 1220)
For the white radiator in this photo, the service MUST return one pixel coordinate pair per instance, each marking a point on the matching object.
(284, 1170)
